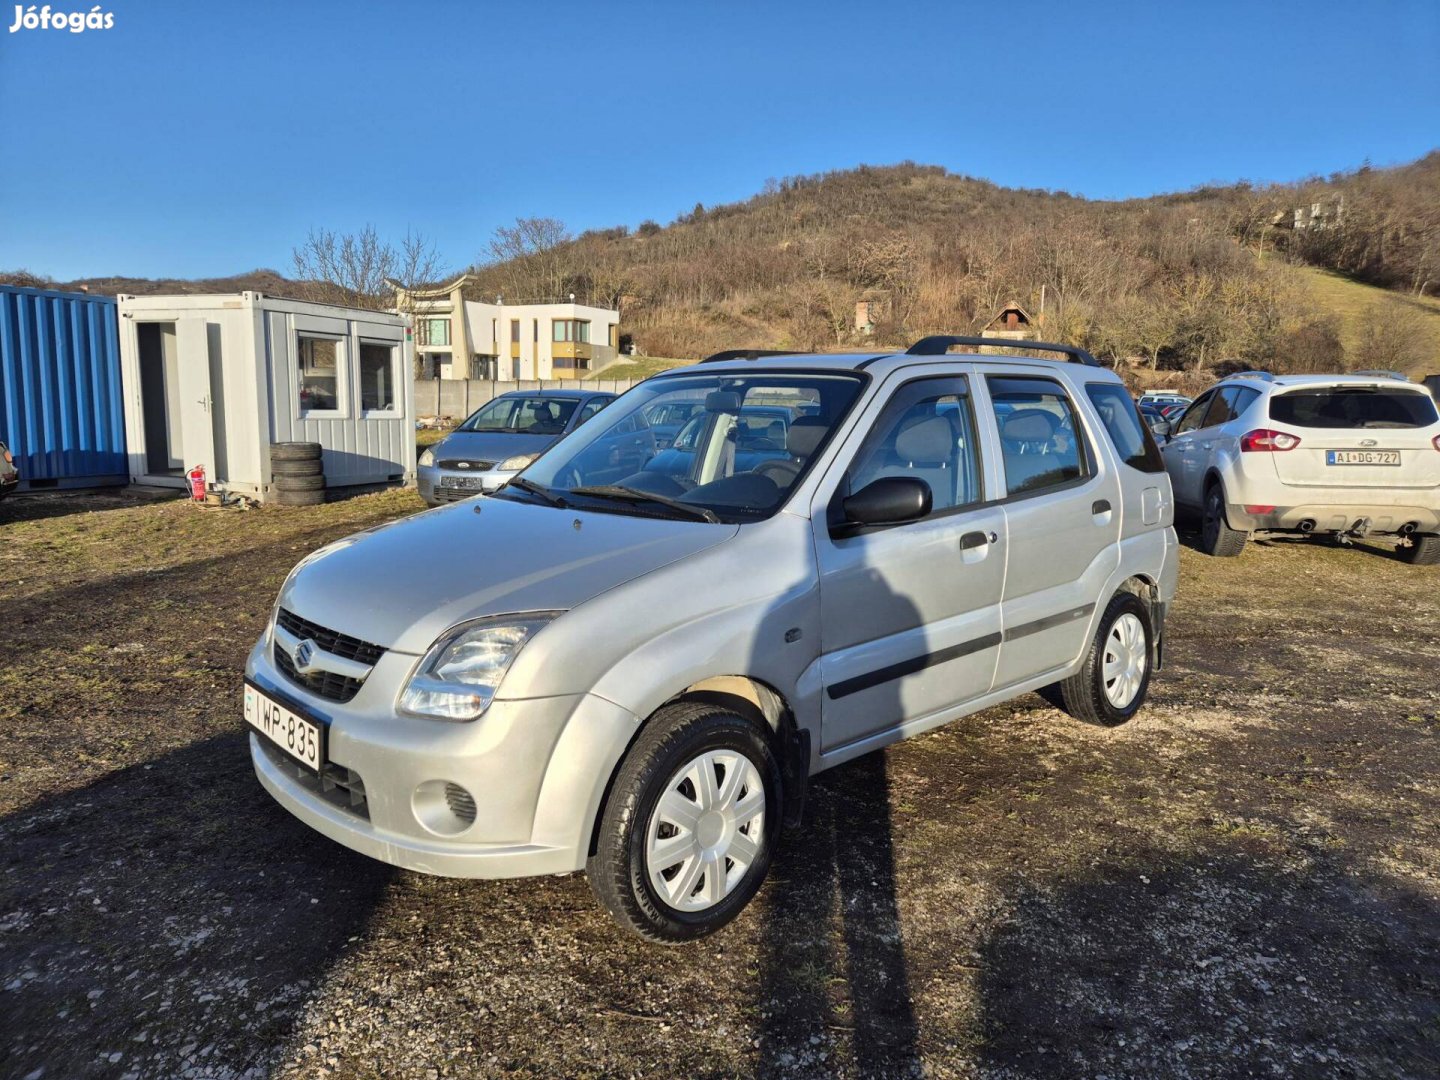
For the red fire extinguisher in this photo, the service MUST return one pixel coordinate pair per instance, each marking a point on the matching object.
(196, 476)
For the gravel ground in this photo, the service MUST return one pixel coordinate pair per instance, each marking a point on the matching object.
(1241, 882)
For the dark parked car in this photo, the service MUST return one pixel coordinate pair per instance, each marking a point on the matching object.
(666, 420)
(9, 475)
(760, 435)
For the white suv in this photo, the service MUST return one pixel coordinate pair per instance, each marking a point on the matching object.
(1345, 455)
(641, 673)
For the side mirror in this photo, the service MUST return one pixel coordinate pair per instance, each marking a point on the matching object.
(890, 500)
(1161, 430)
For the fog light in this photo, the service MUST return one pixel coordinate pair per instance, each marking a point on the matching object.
(443, 807)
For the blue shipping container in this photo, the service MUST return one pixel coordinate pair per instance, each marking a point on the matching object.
(61, 413)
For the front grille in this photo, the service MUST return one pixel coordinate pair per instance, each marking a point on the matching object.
(332, 641)
(449, 495)
(337, 785)
(470, 464)
(324, 684)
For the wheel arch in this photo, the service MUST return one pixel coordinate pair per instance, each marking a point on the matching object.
(752, 698)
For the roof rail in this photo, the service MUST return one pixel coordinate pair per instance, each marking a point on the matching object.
(939, 345)
(1382, 374)
(1266, 375)
(745, 354)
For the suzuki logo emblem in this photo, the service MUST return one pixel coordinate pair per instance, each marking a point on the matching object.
(304, 654)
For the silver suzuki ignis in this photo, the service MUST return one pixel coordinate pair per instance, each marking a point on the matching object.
(634, 670)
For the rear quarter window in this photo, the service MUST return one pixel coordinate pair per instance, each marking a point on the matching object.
(1128, 434)
(1342, 407)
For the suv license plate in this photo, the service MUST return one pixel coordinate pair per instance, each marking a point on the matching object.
(299, 736)
(1362, 457)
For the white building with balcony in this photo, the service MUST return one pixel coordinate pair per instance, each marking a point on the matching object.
(457, 338)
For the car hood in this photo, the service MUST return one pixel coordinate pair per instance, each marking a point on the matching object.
(403, 585)
(493, 446)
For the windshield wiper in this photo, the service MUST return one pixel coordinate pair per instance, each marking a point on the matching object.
(540, 491)
(627, 494)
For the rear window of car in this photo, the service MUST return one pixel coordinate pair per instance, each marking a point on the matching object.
(1353, 407)
(1130, 437)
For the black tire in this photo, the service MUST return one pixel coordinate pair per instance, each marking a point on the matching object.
(1424, 550)
(294, 451)
(675, 736)
(308, 467)
(1083, 694)
(299, 498)
(1216, 536)
(299, 483)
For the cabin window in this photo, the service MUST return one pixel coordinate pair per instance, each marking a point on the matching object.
(378, 385)
(320, 363)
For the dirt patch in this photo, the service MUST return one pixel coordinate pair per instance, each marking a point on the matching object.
(1243, 881)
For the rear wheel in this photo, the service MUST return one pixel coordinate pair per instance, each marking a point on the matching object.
(1216, 536)
(1424, 550)
(1112, 683)
(687, 835)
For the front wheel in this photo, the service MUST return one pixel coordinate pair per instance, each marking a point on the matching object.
(687, 835)
(1112, 683)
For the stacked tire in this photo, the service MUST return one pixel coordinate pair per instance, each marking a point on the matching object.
(297, 474)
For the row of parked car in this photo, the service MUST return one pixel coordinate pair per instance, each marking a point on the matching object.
(742, 573)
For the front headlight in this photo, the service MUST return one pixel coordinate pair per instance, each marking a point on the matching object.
(460, 674)
(428, 457)
(516, 463)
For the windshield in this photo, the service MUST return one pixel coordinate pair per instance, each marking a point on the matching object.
(746, 444)
(523, 415)
(1353, 407)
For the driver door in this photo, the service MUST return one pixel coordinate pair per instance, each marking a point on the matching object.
(910, 613)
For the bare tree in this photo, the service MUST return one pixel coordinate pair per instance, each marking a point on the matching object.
(360, 269)
(531, 259)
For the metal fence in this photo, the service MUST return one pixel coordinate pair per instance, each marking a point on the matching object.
(458, 398)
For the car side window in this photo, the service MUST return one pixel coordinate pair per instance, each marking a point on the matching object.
(593, 406)
(1128, 433)
(926, 431)
(1040, 438)
(1226, 406)
(1195, 415)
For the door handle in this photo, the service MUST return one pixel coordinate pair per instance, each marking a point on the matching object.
(1100, 506)
(977, 539)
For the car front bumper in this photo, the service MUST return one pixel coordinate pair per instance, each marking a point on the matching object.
(438, 486)
(536, 770)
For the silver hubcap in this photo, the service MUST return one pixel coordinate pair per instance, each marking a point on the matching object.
(706, 830)
(1125, 660)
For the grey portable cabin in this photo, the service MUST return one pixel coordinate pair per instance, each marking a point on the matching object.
(214, 380)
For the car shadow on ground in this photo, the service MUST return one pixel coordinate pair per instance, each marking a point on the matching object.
(142, 933)
(1224, 964)
(833, 966)
(39, 505)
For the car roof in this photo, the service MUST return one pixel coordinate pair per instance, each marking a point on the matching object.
(549, 393)
(1262, 380)
(879, 364)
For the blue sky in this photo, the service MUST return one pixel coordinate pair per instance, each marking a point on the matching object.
(197, 139)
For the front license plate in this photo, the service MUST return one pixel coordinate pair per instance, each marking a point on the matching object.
(299, 736)
(1362, 457)
(461, 483)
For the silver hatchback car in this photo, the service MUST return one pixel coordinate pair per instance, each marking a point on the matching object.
(641, 674)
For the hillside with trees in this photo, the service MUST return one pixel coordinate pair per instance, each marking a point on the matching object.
(1188, 281)
(1321, 274)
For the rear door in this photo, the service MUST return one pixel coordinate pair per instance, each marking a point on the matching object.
(1358, 436)
(1186, 453)
(1062, 515)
